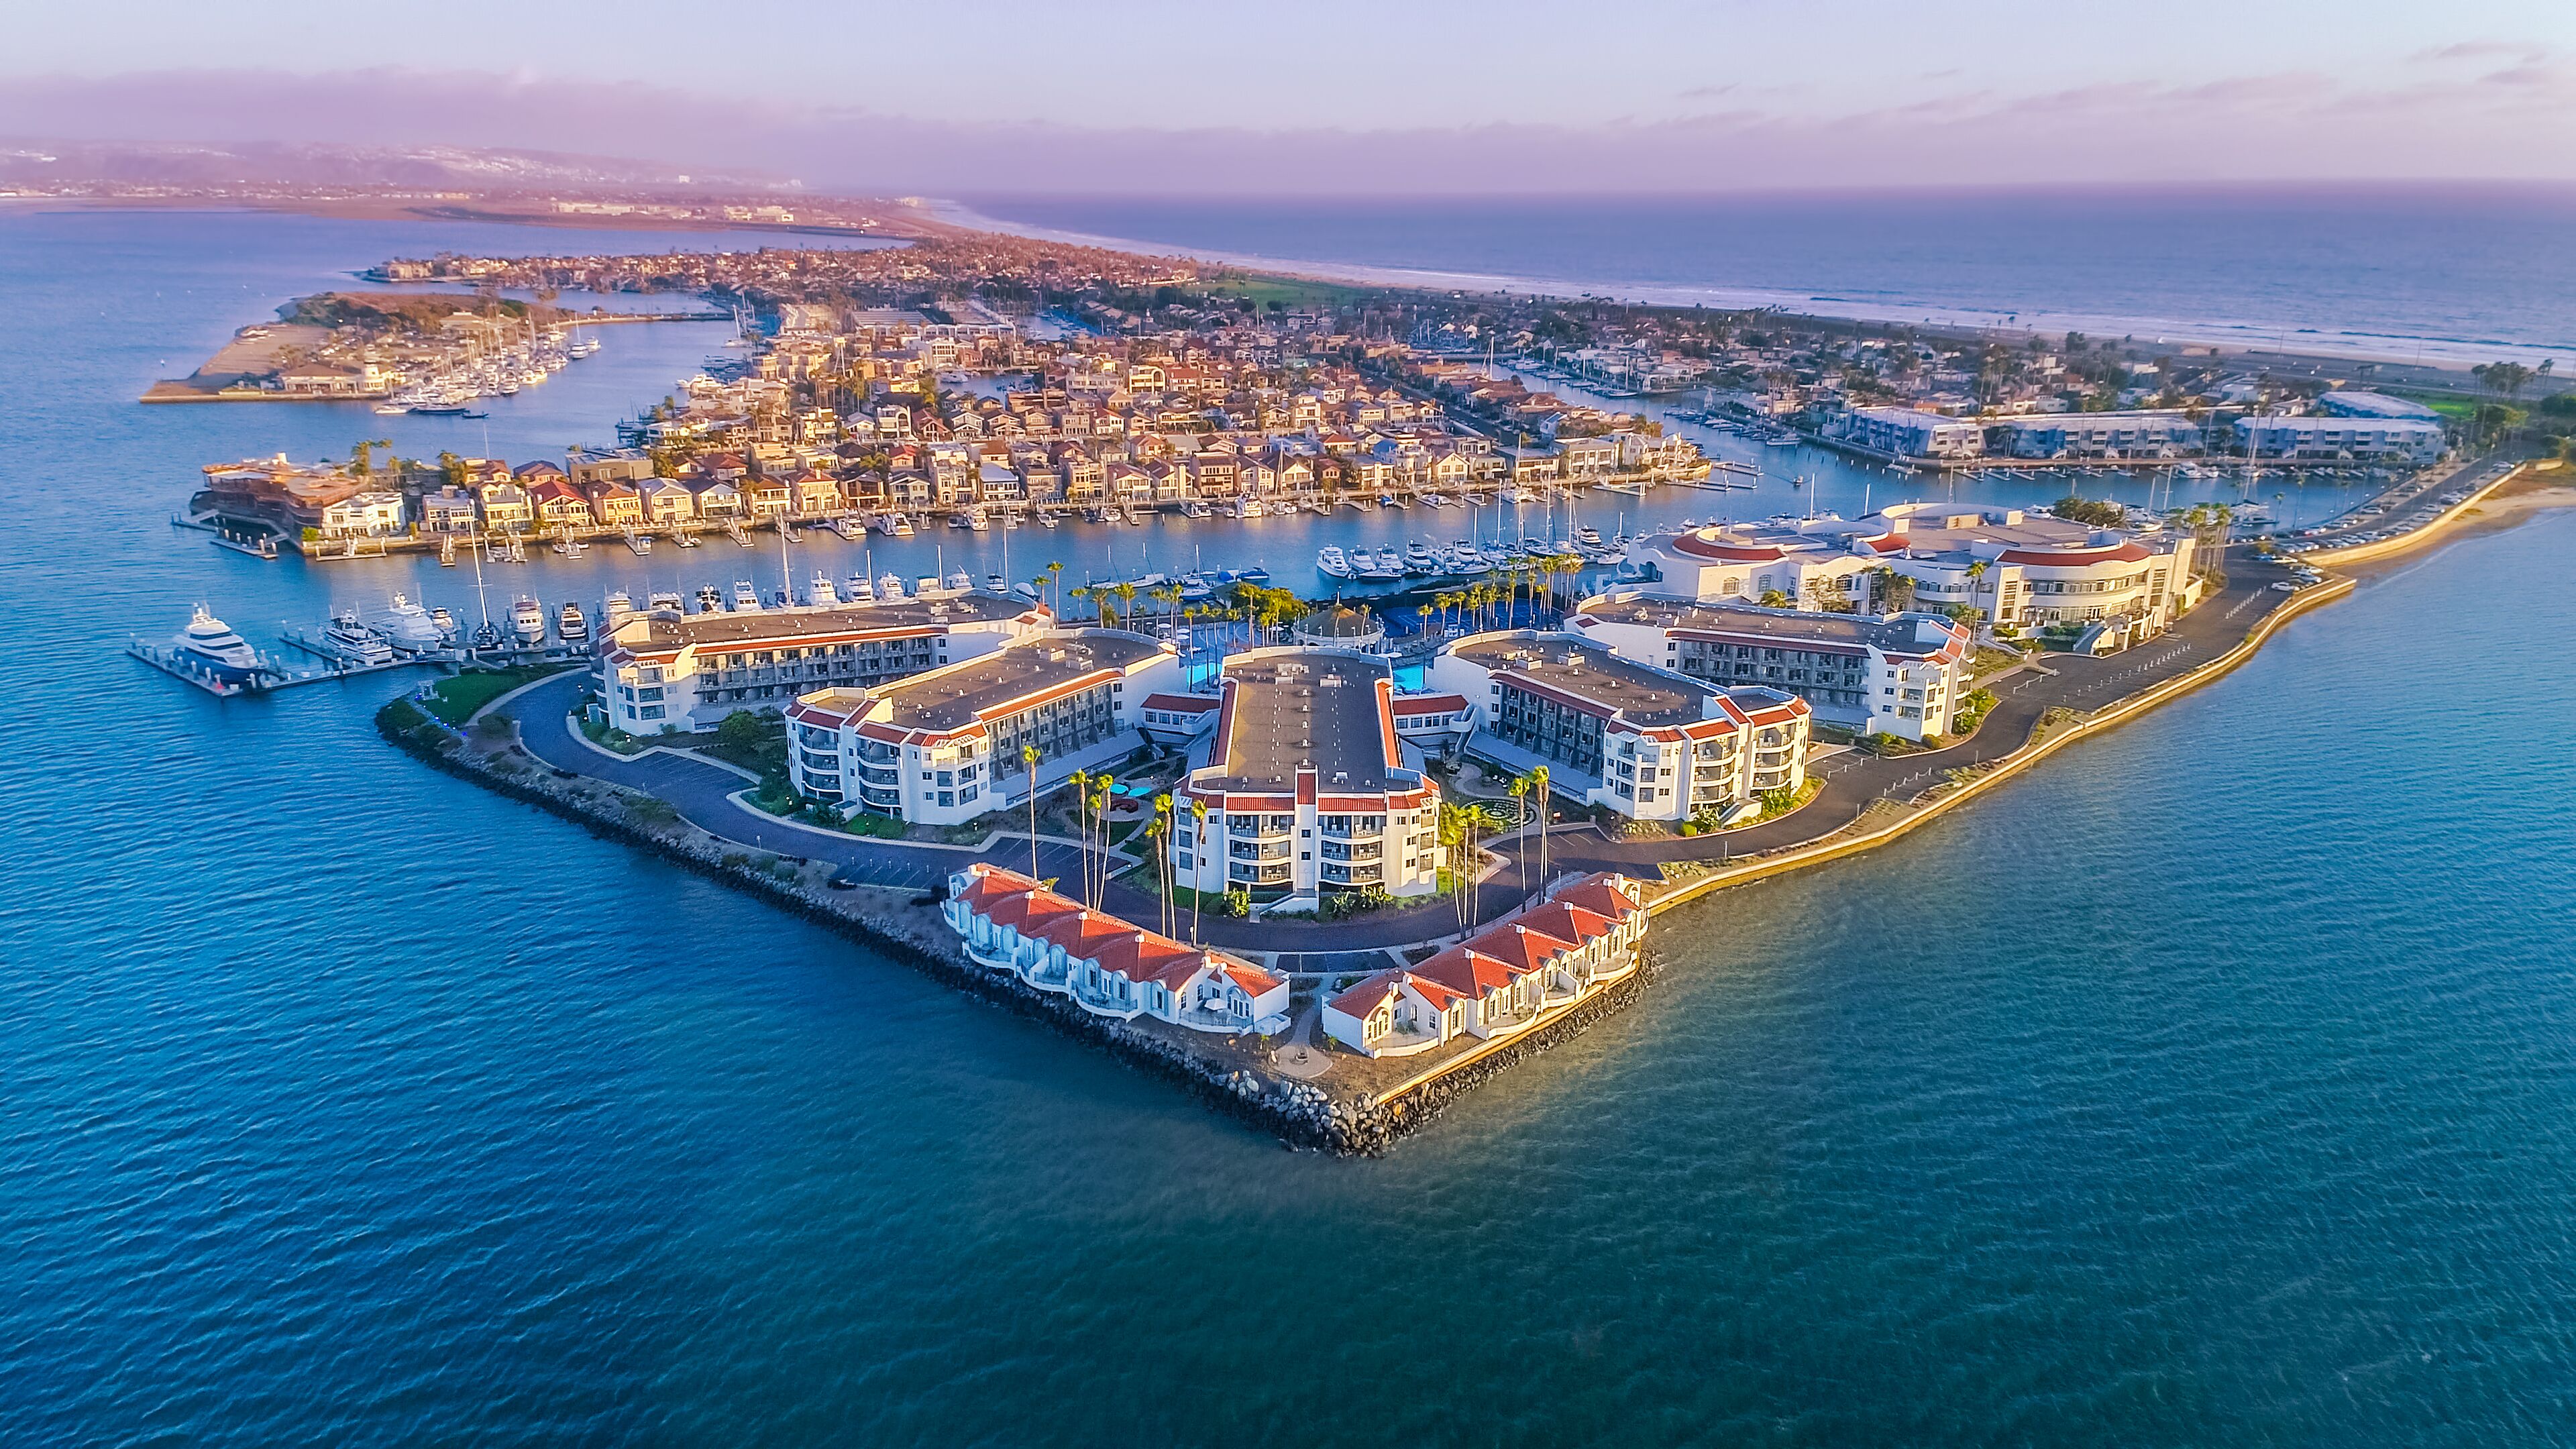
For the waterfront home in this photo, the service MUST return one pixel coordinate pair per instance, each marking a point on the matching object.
(944, 747)
(558, 504)
(505, 505)
(1612, 731)
(666, 502)
(817, 492)
(719, 502)
(449, 510)
(377, 511)
(768, 497)
(1899, 674)
(688, 672)
(1502, 981)
(617, 503)
(1306, 784)
(1108, 966)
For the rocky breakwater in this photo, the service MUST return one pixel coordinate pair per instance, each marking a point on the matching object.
(903, 924)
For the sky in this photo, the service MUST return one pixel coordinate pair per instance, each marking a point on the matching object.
(1328, 97)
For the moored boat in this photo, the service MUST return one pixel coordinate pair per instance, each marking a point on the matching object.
(209, 646)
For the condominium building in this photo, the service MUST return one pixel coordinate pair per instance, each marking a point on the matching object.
(1644, 741)
(666, 672)
(1306, 786)
(1012, 924)
(2097, 435)
(1909, 433)
(1899, 674)
(2342, 439)
(1502, 981)
(944, 747)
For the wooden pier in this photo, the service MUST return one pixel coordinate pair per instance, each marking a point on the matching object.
(271, 677)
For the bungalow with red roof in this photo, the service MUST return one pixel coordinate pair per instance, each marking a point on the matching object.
(1109, 966)
(1502, 981)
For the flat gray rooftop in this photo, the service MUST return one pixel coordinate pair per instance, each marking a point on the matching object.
(1316, 709)
(955, 697)
(1848, 631)
(751, 629)
(1586, 671)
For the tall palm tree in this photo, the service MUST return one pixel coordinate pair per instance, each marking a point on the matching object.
(1126, 599)
(1081, 591)
(1081, 783)
(1520, 821)
(1163, 822)
(1101, 795)
(1538, 787)
(1029, 762)
(1055, 575)
(1198, 848)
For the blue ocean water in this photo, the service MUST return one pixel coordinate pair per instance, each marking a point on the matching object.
(2462, 274)
(2216, 1083)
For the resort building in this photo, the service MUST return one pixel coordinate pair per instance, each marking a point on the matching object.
(2018, 571)
(1306, 785)
(944, 747)
(684, 672)
(1644, 741)
(1010, 923)
(2342, 439)
(1502, 981)
(1908, 433)
(2356, 403)
(1899, 674)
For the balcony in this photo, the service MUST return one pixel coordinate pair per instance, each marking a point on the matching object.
(1334, 850)
(1246, 873)
(1248, 850)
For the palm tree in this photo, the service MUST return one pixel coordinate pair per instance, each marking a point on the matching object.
(1163, 821)
(1424, 610)
(1520, 821)
(1198, 845)
(1055, 573)
(1538, 787)
(1029, 762)
(1101, 794)
(1080, 780)
(1151, 833)
(1126, 599)
(1082, 591)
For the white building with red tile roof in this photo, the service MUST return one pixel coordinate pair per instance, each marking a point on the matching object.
(1901, 674)
(1642, 740)
(1503, 980)
(1108, 966)
(1307, 789)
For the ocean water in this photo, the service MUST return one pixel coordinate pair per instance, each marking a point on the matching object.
(2439, 274)
(2214, 1084)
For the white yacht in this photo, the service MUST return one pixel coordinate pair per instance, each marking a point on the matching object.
(528, 621)
(570, 626)
(614, 609)
(958, 582)
(746, 599)
(858, 590)
(710, 599)
(889, 586)
(664, 601)
(1331, 560)
(349, 637)
(210, 646)
(820, 590)
(1385, 564)
(1419, 560)
(408, 627)
(445, 623)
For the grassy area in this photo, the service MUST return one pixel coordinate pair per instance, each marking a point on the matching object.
(455, 698)
(1286, 291)
(1989, 660)
(756, 742)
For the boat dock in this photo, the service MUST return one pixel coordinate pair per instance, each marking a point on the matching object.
(272, 676)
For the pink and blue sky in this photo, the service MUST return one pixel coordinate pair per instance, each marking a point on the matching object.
(1331, 97)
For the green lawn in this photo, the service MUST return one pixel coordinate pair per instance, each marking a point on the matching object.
(455, 698)
(1286, 291)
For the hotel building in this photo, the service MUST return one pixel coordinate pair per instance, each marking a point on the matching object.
(1502, 981)
(1908, 433)
(1901, 674)
(1111, 968)
(669, 672)
(2096, 435)
(944, 747)
(1306, 784)
(1646, 742)
(2020, 571)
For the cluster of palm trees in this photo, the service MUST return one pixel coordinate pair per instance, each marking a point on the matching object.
(1091, 796)
(1501, 591)
(1465, 824)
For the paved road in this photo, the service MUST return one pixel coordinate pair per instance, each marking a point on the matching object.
(2413, 502)
(700, 791)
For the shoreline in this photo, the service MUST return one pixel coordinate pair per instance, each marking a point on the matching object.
(1249, 1087)
(2448, 355)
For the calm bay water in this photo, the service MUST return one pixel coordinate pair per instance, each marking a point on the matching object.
(2214, 1084)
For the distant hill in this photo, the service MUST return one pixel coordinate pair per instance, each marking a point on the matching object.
(55, 164)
